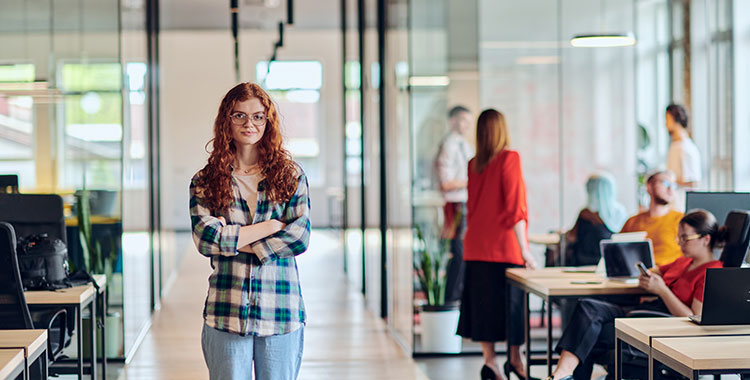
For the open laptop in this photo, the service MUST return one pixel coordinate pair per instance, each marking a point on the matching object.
(620, 258)
(726, 297)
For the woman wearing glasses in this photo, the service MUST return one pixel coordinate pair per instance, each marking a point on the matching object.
(249, 209)
(678, 285)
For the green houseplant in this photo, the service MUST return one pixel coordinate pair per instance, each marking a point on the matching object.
(430, 262)
(98, 254)
(438, 320)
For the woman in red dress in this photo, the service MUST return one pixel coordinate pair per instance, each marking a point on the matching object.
(496, 239)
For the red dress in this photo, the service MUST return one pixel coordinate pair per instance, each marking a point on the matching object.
(497, 201)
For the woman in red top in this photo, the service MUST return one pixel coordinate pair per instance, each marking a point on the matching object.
(679, 286)
(495, 240)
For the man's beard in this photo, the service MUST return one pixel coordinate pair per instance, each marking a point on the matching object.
(660, 201)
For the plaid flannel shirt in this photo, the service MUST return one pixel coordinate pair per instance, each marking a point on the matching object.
(253, 294)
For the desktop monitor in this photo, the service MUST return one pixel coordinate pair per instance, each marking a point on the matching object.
(718, 203)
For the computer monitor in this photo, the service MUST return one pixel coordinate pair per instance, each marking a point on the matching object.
(718, 203)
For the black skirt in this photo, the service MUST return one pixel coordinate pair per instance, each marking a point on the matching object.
(483, 304)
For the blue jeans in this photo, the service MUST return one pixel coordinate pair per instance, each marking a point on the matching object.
(231, 357)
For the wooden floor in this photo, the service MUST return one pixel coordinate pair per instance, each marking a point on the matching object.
(342, 339)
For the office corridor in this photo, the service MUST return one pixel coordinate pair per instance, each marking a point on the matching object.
(342, 339)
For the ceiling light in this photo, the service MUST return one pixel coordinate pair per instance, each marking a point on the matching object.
(603, 40)
(538, 60)
(429, 81)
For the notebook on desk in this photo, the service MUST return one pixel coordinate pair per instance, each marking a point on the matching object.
(726, 297)
(620, 258)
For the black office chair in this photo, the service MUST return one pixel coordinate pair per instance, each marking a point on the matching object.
(34, 214)
(8, 183)
(14, 312)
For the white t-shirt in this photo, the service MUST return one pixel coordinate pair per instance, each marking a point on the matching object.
(684, 160)
(453, 164)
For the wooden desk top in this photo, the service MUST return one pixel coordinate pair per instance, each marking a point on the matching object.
(545, 239)
(556, 282)
(552, 272)
(643, 329)
(706, 352)
(29, 340)
(76, 294)
(10, 360)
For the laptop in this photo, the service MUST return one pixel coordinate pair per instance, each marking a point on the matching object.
(620, 258)
(726, 297)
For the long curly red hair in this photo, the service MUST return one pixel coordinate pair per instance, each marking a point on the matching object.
(276, 165)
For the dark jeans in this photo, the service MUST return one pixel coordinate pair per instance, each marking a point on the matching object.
(590, 334)
(454, 229)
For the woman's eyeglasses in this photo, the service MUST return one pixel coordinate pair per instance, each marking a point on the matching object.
(240, 118)
(682, 239)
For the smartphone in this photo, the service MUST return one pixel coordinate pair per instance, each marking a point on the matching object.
(641, 267)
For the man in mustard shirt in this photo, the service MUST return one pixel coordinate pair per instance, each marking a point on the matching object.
(660, 221)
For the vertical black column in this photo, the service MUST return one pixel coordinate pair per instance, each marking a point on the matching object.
(383, 171)
(362, 108)
(154, 162)
(345, 204)
(234, 11)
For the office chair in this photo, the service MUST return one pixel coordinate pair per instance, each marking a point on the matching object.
(34, 214)
(8, 183)
(14, 312)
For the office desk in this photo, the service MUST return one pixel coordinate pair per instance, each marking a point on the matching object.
(79, 297)
(12, 364)
(640, 333)
(556, 283)
(32, 342)
(704, 355)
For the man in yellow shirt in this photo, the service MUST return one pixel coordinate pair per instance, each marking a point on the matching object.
(660, 221)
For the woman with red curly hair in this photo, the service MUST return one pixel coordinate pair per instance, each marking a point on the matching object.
(249, 209)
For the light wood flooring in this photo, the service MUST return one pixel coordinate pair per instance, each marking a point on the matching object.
(342, 339)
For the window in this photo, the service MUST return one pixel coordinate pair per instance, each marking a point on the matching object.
(91, 126)
(295, 87)
(17, 123)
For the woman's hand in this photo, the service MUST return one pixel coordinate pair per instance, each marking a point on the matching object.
(652, 284)
(530, 262)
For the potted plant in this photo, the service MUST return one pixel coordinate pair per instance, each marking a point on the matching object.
(99, 255)
(438, 318)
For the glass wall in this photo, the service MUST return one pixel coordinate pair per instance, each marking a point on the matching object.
(565, 107)
(73, 117)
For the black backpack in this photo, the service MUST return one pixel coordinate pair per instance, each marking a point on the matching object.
(43, 262)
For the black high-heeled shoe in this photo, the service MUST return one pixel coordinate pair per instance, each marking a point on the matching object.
(508, 368)
(488, 373)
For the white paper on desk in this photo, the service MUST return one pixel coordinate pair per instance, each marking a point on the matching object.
(601, 270)
(629, 236)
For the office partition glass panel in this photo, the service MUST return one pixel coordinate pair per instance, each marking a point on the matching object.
(69, 124)
(397, 148)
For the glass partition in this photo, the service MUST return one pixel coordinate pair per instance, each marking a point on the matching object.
(570, 111)
(73, 117)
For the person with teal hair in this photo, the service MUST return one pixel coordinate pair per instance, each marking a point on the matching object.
(602, 217)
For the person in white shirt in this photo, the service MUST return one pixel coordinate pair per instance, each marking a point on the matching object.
(451, 165)
(683, 158)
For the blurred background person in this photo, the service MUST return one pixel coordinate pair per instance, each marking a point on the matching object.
(602, 216)
(683, 157)
(451, 166)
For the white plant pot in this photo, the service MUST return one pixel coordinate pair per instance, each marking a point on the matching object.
(439, 332)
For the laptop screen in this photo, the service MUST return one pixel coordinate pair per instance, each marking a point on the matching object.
(620, 257)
